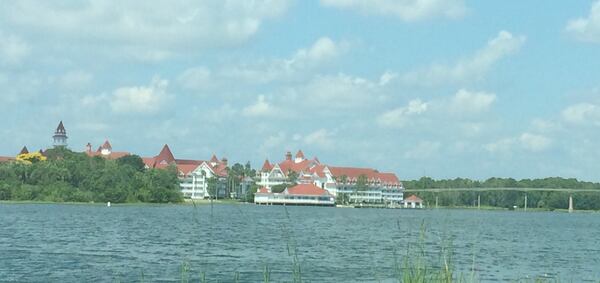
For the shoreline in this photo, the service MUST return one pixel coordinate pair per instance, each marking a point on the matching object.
(203, 202)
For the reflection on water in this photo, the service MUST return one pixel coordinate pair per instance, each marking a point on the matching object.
(41, 242)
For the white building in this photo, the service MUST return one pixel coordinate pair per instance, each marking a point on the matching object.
(194, 175)
(302, 194)
(358, 185)
(413, 202)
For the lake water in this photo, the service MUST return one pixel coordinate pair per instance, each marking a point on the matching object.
(86, 243)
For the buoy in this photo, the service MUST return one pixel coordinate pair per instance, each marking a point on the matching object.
(108, 204)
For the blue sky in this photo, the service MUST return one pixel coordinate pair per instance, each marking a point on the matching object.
(417, 87)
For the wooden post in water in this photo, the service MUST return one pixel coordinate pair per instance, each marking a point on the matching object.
(436, 201)
(525, 202)
(478, 201)
(570, 203)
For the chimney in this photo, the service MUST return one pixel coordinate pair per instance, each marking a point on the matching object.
(224, 161)
(88, 147)
(288, 156)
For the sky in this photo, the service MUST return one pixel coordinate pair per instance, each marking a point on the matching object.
(442, 88)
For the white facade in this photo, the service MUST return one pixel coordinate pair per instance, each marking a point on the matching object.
(194, 185)
(272, 178)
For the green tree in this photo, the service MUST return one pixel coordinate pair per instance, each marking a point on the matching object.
(292, 177)
(362, 183)
(212, 187)
(278, 188)
(132, 160)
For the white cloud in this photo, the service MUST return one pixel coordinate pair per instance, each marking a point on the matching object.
(501, 146)
(527, 141)
(399, 117)
(423, 150)
(197, 78)
(586, 29)
(535, 142)
(473, 67)
(465, 101)
(321, 138)
(341, 91)
(75, 80)
(582, 113)
(321, 51)
(160, 26)
(406, 10)
(258, 109)
(12, 49)
(272, 142)
(140, 99)
(387, 77)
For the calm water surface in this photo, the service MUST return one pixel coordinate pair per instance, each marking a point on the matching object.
(83, 243)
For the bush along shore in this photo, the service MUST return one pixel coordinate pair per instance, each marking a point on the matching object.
(61, 175)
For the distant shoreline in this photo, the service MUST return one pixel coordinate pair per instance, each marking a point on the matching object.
(204, 202)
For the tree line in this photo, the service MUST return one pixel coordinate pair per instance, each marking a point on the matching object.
(508, 199)
(65, 176)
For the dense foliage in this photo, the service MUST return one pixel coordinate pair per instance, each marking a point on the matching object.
(535, 199)
(68, 176)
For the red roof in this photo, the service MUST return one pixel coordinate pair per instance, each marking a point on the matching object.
(113, 155)
(267, 166)
(165, 155)
(372, 175)
(149, 161)
(186, 166)
(106, 145)
(6, 159)
(263, 190)
(290, 165)
(306, 189)
(413, 198)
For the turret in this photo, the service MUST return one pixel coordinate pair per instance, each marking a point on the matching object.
(60, 136)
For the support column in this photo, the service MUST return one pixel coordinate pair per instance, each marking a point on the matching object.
(478, 201)
(436, 201)
(525, 202)
(570, 203)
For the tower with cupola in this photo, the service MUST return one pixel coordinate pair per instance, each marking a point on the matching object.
(60, 136)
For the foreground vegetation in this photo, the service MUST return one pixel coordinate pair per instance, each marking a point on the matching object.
(65, 176)
(507, 199)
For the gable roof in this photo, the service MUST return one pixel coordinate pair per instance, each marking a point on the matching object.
(24, 150)
(306, 189)
(61, 128)
(106, 145)
(413, 198)
(267, 166)
(185, 166)
(165, 155)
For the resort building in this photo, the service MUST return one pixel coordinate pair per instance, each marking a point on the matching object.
(105, 151)
(194, 175)
(358, 185)
(413, 202)
(302, 194)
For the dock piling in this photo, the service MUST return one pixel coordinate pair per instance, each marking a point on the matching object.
(570, 203)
